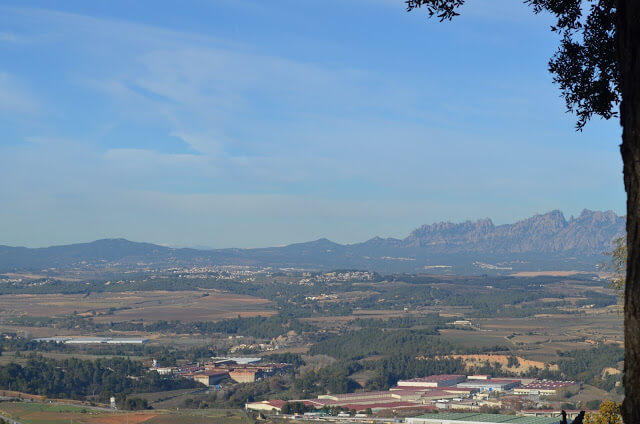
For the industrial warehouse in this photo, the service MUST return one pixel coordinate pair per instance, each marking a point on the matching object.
(91, 340)
(240, 370)
(464, 418)
(444, 392)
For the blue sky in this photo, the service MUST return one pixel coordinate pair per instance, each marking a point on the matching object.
(255, 123)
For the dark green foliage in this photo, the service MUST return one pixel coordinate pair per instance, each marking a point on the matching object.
(587, 365)
(134, 404)
(401, 322)
(593, 404)
(296, 408)
(167, 355)
(333, 410)
(599, 300)
(259, 327)
(388, 371)
(332, 379)
(372, 341)
(76, 379)
(585, 66)
(443, 9)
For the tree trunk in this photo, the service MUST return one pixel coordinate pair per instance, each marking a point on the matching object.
(628, 45)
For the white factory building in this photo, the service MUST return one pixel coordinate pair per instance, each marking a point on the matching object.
(91, 340)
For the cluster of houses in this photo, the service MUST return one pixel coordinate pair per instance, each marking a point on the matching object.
(240, 370)
(441, 392)
(336, 276)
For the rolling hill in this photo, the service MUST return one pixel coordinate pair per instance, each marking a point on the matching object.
(544, 241)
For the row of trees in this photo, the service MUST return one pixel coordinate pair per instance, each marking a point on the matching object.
(372, 341)
(258, 327)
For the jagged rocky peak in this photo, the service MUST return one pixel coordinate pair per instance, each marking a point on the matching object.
(443, 233)
(549, 222)
(554, 217)
(591, 233)
(599, 217)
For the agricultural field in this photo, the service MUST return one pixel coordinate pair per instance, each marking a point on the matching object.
(52, 413)
(342, 336)
(191, 305)
(540, 337)
(473, 338)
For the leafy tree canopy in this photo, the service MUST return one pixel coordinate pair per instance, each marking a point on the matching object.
(608, 413)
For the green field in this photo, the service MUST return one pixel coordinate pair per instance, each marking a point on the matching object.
(46, 413)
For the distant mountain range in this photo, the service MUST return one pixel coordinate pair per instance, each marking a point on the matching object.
(542, 242)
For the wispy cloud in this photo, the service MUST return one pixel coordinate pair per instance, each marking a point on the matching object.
(224, 143)
(141, 160)
(16, 97)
